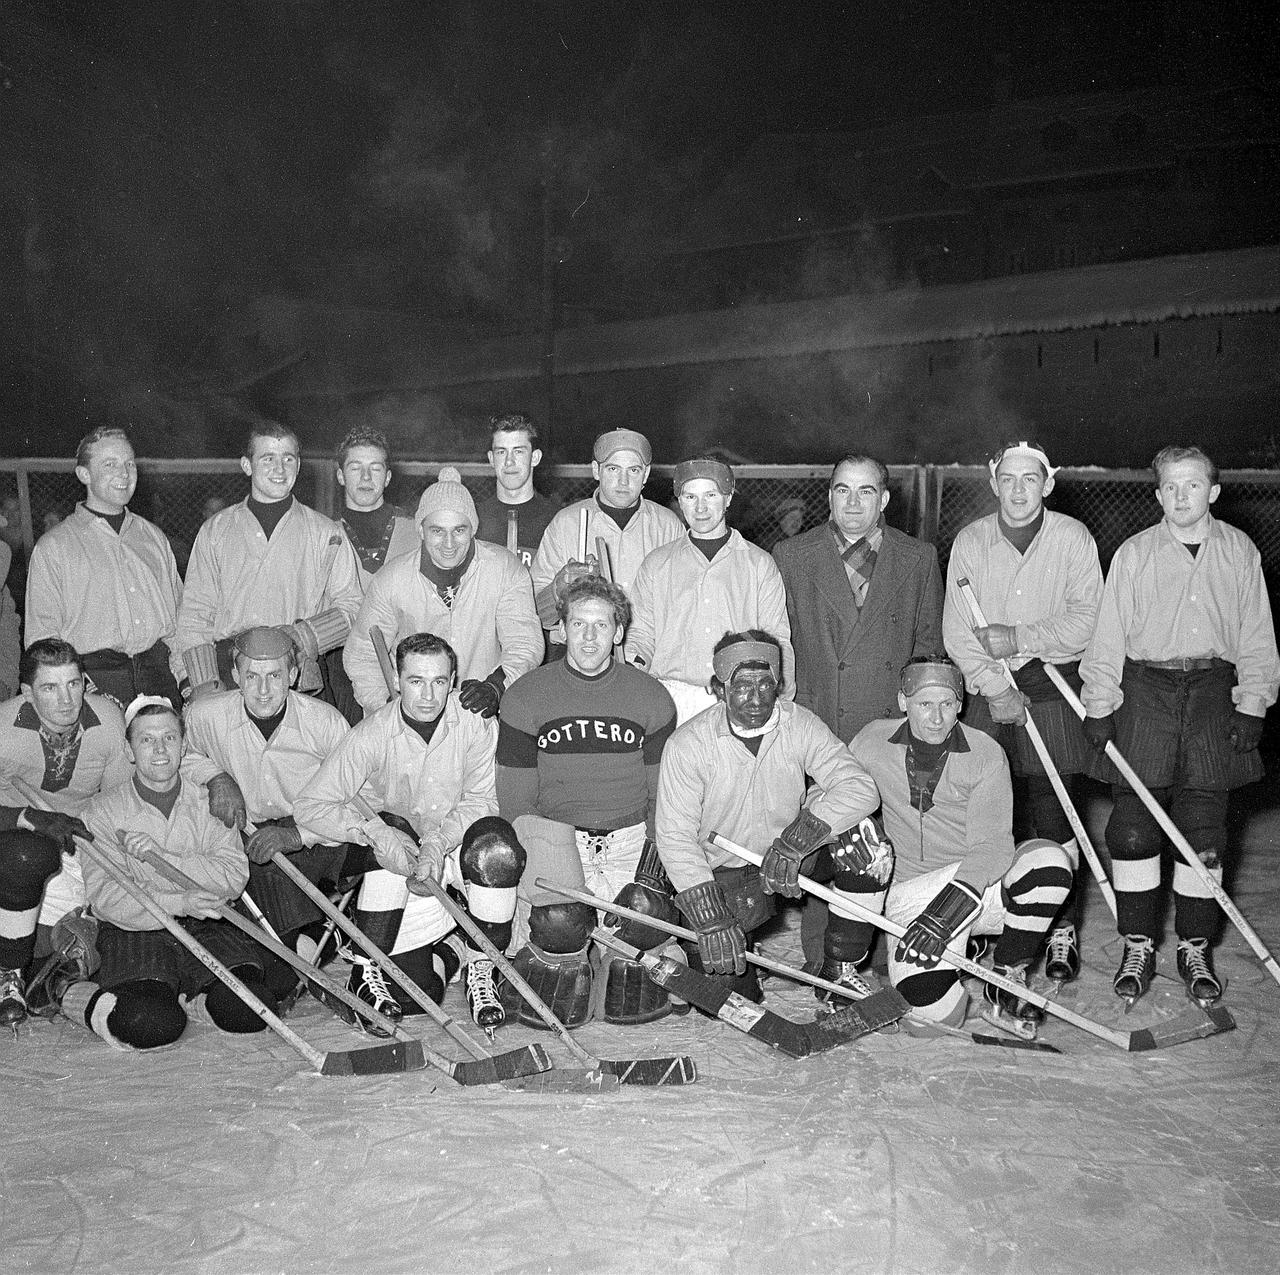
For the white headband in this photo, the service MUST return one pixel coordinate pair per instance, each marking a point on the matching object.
(139, 702)
(1021, 449)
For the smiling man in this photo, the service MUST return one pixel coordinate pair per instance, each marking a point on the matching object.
(579, 746)
(516, 514)
(1036, 576)
(105, 579)
(766, 774)
(691, 591)
(267, 560)
(475, 595)
(1180, 672)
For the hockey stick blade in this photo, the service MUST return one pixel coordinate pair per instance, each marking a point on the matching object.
(531, 1060)
(1195, 1024)
(379, 1060)
(565, 1080)
(855, 1019)
(921, 1029)
(677, 1070)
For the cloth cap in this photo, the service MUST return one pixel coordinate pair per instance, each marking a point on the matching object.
(622, 440)
(447, 492)
(139, 702)
(264, 643)
(727, 661)
(716, 470)
(1022, 449)
(942, 673)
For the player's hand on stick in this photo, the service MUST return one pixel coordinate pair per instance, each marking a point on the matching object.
(394, 850)
(949, 911)
(1009, 707)
(865, 849)
(780, 870)
(1100, 731)
(722, 946)
(61, 829)
(271, 840)
(1000, 641)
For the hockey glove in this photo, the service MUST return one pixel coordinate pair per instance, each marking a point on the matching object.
(1245, 731)
(722, 946)
(270, 840)
(394, 850)
(1008, 708)
(1100, 731)
(60, 828)
(1000, 641)
(226, 802)
(950, 910)
(866, 850)
(483, 697)
(780, 869)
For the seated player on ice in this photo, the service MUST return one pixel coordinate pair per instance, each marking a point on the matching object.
(947, 806)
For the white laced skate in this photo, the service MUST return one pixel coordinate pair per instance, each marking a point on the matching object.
(1062, 956)
(369, 983)
(1010, 1013)
(1137, 968)
(482, 995)
(1196, 972)
(846, 974)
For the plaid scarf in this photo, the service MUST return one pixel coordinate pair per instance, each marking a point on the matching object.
(859, 558)
(61, 752)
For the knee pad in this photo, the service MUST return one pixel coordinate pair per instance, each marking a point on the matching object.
(29, 861)
(145, 1014)
(562, 927)
(1201, 814)
(491, 854)
(1132, 833)
(229, 1013)
(929, 987)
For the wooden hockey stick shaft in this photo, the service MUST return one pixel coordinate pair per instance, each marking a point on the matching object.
(584, 515)
(604, 564)
(1171, 830)
(1042, 751)
(846, 905)
(313, 1056)
(383, 653)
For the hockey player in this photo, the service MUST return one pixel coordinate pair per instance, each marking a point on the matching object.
(517, 514)
(947, 806)
(268, 741)
(425, 765)
(134, 999)
(1036, 576)
(105, 580)
(579, 747)
(617, 514)
(742, 769)
(68, 745)
(474, 595)
(1180, 672)
(266, 560)
(703, 584)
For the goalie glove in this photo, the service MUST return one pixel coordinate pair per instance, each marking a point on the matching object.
(780, 869)
(949, 911)
(722, 946)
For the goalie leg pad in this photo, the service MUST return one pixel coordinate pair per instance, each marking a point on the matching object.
(562, 979)
(623, 992)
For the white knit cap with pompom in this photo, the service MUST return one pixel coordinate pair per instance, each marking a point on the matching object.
(447, 492)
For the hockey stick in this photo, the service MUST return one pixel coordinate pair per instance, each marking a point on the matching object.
(604, 563)
(1171, 830)
(408, 1055)
(883, 1007)
(1042, 751)
(493, 1067)
(327, 1064)
(678, 1070)
(584, 515)
(1189, 1026)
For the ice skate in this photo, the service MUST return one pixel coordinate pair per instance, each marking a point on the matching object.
(1008, 1012)
(1062, 957)
(13, 999)
(368, 982)
(1137, 969)
(482, 995)
(1196, 971)
(846, 974)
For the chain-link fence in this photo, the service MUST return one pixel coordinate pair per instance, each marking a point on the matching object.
(771, 502)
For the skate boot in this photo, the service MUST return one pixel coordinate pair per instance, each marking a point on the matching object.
(482, 995)
(846, 974)
(1062, 958)
(1008, 1012)
(74, 960)
(13, 999)
(1196, 971)
(1137, 968)
(369, 983)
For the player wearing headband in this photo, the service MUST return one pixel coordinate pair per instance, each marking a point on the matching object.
(1036, 577)
(742, 768)
(947, 806)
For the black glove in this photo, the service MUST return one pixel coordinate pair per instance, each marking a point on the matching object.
(722, 945)
(780, 870)
(650, 893)
(59, 828)
(949, 911)
(479, 697)
(864, 849)
(1100, 731)
(1245, 731)
(267, 841)
(226, 802)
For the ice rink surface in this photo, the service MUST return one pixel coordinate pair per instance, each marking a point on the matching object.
(890, 1154)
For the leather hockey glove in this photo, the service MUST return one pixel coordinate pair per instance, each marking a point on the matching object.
(1008, 708)
(60, 828)
(1000, 641)
(722, 946)
(226, 802)
(394, 850)
(483, 697)
(780, 870)
(864, 849)
(1244, 731)
(1100, 731)
(270, 840)
(949, 911)
(649, 893)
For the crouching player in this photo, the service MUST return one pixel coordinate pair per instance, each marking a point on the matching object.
(947, 805)
(743, 769)
(135, 1000)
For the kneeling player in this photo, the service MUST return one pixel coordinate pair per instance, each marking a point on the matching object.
(947, 805)
(579, 746)
(743, 769)
(135, 999)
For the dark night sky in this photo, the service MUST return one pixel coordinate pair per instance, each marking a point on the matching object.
(162, 160)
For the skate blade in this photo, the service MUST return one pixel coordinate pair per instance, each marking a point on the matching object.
(400, 1055)
(1193, 1025)
(678, 1070)
(1013, 1026)
(565, 1080)
(530, 1060)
